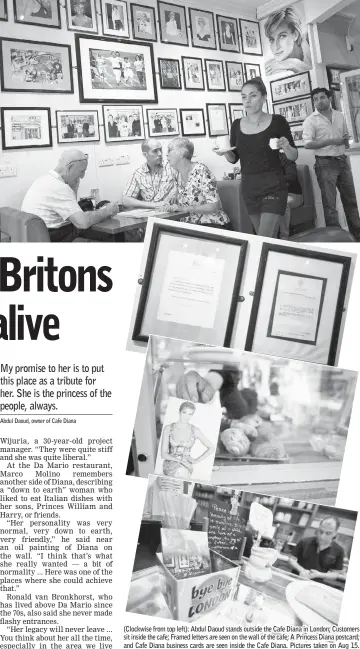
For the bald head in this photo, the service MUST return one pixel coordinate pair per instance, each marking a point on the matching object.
(152, 150)
(72, 165)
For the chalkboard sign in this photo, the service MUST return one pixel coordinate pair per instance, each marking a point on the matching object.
(226, 531)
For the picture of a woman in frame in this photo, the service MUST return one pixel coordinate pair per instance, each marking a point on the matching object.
(288, 41)
(227, 33)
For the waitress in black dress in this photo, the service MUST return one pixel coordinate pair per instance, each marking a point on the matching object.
(257, 139)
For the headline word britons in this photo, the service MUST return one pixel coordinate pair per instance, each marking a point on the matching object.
(41, 277)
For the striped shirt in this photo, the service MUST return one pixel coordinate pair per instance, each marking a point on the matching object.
(318, 127)
(155, 186)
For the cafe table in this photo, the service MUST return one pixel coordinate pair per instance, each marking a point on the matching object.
(113, 229)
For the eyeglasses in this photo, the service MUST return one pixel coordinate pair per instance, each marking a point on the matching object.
(86, 157)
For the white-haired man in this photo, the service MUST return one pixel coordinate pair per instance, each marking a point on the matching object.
(52, 197)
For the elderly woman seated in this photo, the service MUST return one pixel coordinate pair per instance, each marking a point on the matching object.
(197, 192)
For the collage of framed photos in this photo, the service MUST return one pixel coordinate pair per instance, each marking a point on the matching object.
(291, 98)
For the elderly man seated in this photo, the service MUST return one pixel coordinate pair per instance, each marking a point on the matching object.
(52, 197)
(152, 186)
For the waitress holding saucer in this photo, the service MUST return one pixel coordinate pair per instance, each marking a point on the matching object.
(256, 139)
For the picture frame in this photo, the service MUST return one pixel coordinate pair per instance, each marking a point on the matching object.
(252, 70)
(172, 24)
(288, 281)
(209, 255)
(236, 111)
(163, 122)
(3, 10)
(193, 73)
(123, 123)
(25, 128)
(48, 15)
(334, 77)
(228, 33)
(109, 70)
(77, 126)
(295, 110)
(25, 66)
(217, 119)
(297, 133)
(169, 74)
(250, 37)
(115, 18)
(192, 121)
(81, 16)
(202, 29)
(298, 85)
(215, 78)
(234, 75)
(143, 19)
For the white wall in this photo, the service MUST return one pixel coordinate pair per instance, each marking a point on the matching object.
(332, 34)
(109, 180)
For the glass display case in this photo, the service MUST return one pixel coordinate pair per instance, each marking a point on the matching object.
(350, 92)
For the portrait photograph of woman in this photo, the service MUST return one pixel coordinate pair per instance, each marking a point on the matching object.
(188, 439)
(228, 34)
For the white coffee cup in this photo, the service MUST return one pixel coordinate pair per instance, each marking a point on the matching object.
(273, 143)
(223, 142)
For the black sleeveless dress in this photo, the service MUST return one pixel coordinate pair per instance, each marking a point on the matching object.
(263, 183)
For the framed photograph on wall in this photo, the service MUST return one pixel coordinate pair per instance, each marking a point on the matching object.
(3, 10)
(228, 34)
(235, 76)
(236, 111)
(214, 71)
(123, 123)
(77, 126)
(81, 15)
(250, 37)
(202, 28)
(169, 74)
(296, 110)
(163, 121)
(217, 119)
(32, 66)
(192, 121)
(209, 265)
(252, 70)
(115, 19)
(298, 85)
(172, 23)
(193, 73)
(298, 303)
(44, 13)
(115, 71)
(25, 128)
(297, 133)
(143, 20)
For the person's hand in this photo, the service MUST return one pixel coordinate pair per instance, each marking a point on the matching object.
(110, 209)
(175, 208)
(219, 152)
(192, 386)
(339, 141)
(186, 463)
(295, 65)
(305, 574)
(283, 143)
(315, 574)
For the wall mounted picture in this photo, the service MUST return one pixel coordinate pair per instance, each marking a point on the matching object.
(235, 76)
(297, 133)
(81, 15)
(169, 74)
(192, 121)
(3, 10)
(77, 126)
(236, 111)
(202, 27)
(252, 70)
(294, 111)
(123, 123)
(114, 71)
(334, 77)
(214, 71)
(297, 85)
(284, 35)
(193, 73)
(25, 128)
(172, 21)
(163, 121)
(143, 20)
(250, 37)
(115, 18)
(217, 119)
(228, 34)
(31, 66)
(304, 307)
(37, 12)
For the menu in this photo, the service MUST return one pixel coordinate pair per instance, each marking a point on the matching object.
(226, 531)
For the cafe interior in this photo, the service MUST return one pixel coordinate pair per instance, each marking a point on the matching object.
(267, 581)
(69, 106)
